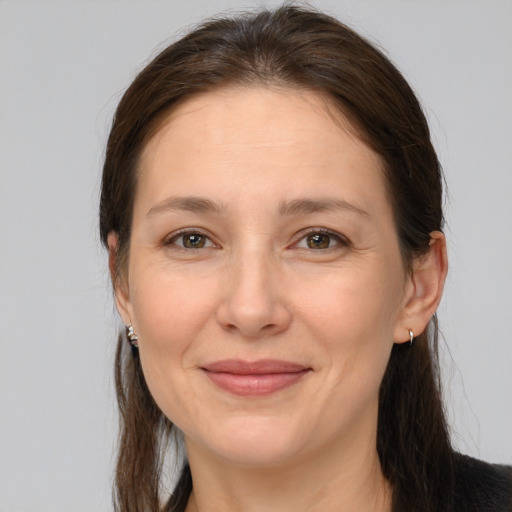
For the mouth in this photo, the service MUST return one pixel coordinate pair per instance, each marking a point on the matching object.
(254, 378)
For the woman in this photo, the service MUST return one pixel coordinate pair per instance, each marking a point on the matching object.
(271, 203)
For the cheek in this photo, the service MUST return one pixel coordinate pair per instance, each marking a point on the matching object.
(169, 313)
(169, 308)
(352, 317)
(353, 304)
(352, 320)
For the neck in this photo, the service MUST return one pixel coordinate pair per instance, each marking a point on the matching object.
(337, 478)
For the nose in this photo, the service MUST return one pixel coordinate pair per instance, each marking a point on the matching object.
(253, 301)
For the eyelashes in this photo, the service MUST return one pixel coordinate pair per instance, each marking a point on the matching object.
(314, 239)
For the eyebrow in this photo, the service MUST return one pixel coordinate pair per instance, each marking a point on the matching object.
(308, 206)
(301, 206)
(187, 203)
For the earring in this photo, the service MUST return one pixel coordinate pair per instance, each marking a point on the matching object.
(411, 337)
(132, 337)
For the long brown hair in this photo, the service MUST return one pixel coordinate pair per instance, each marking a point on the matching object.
(299, 48)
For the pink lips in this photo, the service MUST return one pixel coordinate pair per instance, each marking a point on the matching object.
(257, 378)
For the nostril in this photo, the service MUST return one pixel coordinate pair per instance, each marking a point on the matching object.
(252, 333)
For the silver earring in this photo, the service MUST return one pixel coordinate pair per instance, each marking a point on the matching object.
(411, 337)
(132, 337)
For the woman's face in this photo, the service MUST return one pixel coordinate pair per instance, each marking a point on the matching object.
(265, 280)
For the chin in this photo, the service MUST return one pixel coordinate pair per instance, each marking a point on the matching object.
(252, 442)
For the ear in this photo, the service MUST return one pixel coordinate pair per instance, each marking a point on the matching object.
(423, 289)
(119, 282)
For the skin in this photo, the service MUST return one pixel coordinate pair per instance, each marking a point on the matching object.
(259, 288)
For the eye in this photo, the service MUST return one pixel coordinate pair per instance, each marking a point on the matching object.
(321, 240)
(190, 240)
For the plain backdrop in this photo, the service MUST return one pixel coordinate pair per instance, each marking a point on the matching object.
(63, 67)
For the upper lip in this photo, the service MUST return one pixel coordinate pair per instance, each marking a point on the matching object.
(260, 367)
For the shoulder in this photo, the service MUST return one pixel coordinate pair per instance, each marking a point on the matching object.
(482, 487)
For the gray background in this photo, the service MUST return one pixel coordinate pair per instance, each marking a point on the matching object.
(63, 66)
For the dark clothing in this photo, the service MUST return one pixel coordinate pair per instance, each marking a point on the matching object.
(482, 487)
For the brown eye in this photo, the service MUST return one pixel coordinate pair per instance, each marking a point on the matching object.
(322, 240)
(193, 241)
(318, 241)
(190, 240)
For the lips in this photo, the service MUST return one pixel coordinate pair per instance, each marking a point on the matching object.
(254, 378)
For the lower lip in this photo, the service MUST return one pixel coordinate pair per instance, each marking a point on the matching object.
(254, 384)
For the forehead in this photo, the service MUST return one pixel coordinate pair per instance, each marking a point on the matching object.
(247, 114)
(237, 141)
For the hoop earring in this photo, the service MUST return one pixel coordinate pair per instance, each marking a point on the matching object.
(133, 339)
(411, 337)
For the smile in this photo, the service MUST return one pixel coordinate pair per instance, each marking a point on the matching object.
(258, 378)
